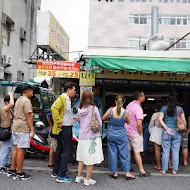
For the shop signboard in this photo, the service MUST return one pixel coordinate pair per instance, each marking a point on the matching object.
(87, 78)
(58, 69)
(154, 76)
(50, 33)
(104, 82)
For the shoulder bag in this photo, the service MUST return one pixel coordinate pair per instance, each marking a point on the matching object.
(5, 133)
(181, 126)
(94, 124)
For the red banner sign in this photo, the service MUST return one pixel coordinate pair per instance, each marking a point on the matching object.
(58, 69)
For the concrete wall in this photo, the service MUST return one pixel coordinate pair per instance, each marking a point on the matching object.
(24, 14)
(1, 9)
(109, 21)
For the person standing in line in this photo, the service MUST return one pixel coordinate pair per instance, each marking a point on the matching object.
(184, 144)
(63, 122)
(155, 130)
(135, 130)
(89, 149)
(171, 138)
(22, 130)
(117, 138)
(53, 140)
(6, 121)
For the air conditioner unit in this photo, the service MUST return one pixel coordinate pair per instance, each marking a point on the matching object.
(7, 60)
(22, 34)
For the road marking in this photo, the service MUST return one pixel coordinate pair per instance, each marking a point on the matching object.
(107, 172)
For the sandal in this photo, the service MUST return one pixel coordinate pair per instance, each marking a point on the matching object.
(162, 172)
(114, 176)
(174, 172)
(157, 168)
(50, 166)
(130, 177)
(186, 164)
(146, 174)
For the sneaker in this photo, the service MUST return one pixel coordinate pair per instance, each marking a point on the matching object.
(21, 176)
(11, 173)
(3, 170)
(79, 179)
(54, 175)
(89, 182)
(64, 179)
(8, 165)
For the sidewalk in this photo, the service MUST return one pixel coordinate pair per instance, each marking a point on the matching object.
(40, 163)
(148, 160)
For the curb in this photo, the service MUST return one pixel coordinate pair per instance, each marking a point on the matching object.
(107, 172)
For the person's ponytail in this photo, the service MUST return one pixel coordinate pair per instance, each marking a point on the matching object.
(172, 100)
(119, 104)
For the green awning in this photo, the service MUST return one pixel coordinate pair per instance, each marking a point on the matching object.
(97, 63)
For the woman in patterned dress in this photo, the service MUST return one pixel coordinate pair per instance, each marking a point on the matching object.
(89, 149)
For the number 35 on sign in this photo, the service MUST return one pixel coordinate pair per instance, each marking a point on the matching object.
(59, 74)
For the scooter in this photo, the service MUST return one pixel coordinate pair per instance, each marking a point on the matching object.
(39, 143)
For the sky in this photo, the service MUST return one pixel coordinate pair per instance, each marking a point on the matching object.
(73, 15)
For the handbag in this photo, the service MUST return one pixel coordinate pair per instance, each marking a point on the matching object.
(5, 133)
(181, 126)
(94, 124)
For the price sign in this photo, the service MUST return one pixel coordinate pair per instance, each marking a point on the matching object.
(58, 69)
(87, 78)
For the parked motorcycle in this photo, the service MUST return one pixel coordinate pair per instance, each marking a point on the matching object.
(39, 143)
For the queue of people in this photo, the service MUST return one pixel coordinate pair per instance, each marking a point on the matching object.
(164, 132)
(117, 138)
(21, 124)
(6, 121)
(125, 134)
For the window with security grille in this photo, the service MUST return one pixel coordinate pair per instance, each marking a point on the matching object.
(6, 30)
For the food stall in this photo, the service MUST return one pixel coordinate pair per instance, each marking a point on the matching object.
(157, 73)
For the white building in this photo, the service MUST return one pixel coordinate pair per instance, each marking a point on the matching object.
(127, 23)
(18, 38)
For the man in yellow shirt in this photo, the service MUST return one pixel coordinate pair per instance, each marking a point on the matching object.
(63, 122)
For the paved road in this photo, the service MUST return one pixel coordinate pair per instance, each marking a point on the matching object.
(41, 179)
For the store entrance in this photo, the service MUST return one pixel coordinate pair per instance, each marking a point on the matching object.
(155, 92)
